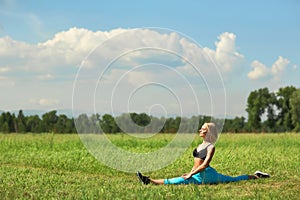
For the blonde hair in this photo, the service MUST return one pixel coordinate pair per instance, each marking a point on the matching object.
(212, 133)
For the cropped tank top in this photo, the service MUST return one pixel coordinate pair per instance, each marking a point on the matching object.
(201, 151)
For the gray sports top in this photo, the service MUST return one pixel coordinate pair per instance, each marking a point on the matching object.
(202, 150)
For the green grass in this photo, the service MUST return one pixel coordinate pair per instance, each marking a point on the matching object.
(46, 166)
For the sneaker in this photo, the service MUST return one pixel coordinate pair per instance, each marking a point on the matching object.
(143, 179)
(262, 174)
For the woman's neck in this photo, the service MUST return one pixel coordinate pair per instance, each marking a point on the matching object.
(205, 142)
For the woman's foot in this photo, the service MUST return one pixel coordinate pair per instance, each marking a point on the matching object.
(260, 174)
(143, 179)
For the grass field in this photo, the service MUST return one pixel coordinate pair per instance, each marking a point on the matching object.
(46, 166)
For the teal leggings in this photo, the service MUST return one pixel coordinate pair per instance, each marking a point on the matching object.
(208, 176)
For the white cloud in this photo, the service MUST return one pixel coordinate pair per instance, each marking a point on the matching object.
(76, 42)
(4, 69)
(69, 49)
(275, 72)
(66, 50)
(224, 59)
(226, 55)
(44, 102)
(279, 66)
(138, 78)
(61, 55)
(45, 77)
(259, 70)
(10, 47)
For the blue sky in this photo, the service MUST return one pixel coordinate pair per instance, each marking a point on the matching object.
(264, 36)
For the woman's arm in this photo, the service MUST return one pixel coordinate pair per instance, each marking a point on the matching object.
(197, 162)
(209, 156)
(193, 169)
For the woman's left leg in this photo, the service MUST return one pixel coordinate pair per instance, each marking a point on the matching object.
(211, 176)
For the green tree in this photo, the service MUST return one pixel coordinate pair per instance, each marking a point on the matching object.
(34, 124)
(7, 122)
(20, 124)
(95, 123)
(108, 124)
(235, 125)
(284, 118)
(49, 120)
(168, 127)
(295, 110)
(70, 126)
(255, 110)
(144, 119)
(172, 125)
(4, 128)
(60, 125)
(270, 124)
(141, 119)
(257, 102)
(83, 124)
(155, 126)
(2, 121)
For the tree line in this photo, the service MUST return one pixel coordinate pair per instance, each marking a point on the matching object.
(132, 122)
(267, 112)
(49, 122)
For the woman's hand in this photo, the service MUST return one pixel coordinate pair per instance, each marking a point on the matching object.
(186, 176)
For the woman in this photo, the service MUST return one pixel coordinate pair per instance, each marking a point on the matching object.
(202, 172)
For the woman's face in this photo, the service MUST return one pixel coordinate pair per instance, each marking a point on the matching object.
(203, 130)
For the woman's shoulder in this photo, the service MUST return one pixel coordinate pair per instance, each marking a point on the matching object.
(210, 146)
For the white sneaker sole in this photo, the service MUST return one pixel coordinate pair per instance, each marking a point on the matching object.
(262, 174)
